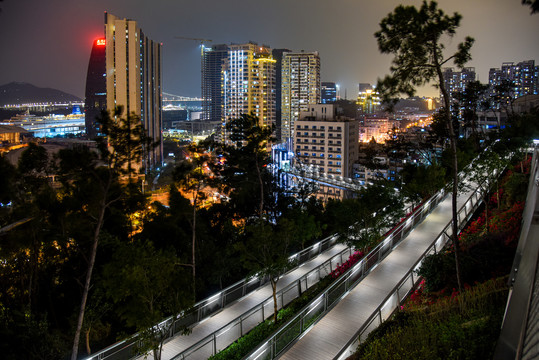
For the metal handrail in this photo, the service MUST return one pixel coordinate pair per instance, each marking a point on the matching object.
(439, 243)
(207, 307)
(310, 314)
(212, 343)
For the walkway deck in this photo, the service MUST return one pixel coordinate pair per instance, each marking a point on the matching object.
(208, 326)
(333, 331)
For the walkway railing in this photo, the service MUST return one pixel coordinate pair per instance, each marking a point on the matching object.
(311, 313)
(401, 291)
(126, 349)
(235, 329)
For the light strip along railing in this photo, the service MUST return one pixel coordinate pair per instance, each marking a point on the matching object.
(403, 289)
(235, 329)
(311, 313)
(126, 349)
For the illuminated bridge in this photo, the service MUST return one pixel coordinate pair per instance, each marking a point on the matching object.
(331, 326)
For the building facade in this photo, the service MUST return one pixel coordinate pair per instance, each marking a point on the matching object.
(133, 78)
(96, 87)
(328, 92)
(300, 87)
(278, 56)
(326, 141)
(368, 100)
(523, 78)
(456, 82)
(248, 84)
(212, 81)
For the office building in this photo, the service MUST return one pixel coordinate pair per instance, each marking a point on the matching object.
(132, 79)
(278, 56)
(326, 141)
(212, 81)
(300, 87)
(96, 87)
(328, 93)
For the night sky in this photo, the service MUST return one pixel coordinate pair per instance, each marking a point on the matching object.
(48, 42)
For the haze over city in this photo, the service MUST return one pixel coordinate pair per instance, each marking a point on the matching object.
(48, 43)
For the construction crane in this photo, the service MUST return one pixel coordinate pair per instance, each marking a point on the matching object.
(202, 41)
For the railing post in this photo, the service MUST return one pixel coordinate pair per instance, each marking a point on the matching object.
(326, 301)
(214, 344)
(241, 326)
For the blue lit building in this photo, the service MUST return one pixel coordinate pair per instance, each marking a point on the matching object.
(328, 92)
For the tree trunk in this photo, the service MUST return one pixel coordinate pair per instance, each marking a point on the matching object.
(89, 274)
(88, 349)
(274, 288)
(453, 144)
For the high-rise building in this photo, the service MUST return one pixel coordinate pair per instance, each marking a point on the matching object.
(248, 84)
(130, 77)
(300, 87)
(133, 75)
(212, 81)
(326, 141)
(523, 76)
(368, 99)
(328, 93)
(278, 56)
(96, 87)
(457, 81)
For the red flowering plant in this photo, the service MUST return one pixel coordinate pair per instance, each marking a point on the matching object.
(352, 260)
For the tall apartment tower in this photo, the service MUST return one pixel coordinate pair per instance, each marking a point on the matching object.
(300, 87)
(248, 84)
(133, 77)
(523, 75)
(212, 69)
(96, 87)
(278, 56)
(457, 81)
(328, 93)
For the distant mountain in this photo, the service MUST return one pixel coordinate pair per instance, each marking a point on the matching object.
(24, 93)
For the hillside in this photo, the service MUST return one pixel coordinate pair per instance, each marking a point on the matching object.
(23, 93)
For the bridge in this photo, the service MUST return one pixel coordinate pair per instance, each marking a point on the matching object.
(334, 323)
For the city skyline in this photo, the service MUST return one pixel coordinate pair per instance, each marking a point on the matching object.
(48, 44)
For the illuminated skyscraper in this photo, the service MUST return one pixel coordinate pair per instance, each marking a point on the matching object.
(300, 87)
(248, 84)
(278, 56)
(368, 99)
(212, 69)
(130, 77)
(96, 87)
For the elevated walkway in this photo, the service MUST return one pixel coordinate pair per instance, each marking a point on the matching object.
(519, 337)
(375, 297)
